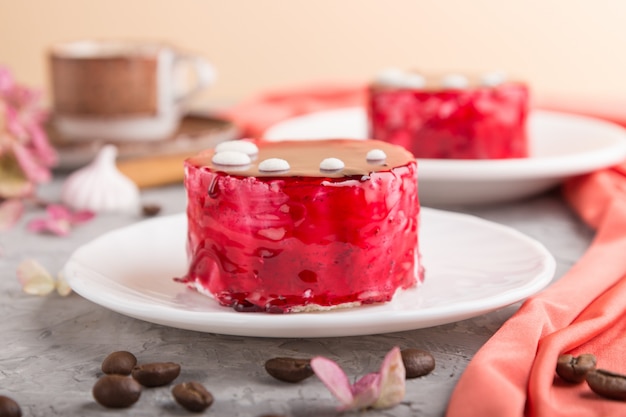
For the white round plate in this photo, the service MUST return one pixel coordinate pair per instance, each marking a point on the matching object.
(562, 145)
(472, 267)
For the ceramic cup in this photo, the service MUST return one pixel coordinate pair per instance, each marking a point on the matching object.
(123, 91)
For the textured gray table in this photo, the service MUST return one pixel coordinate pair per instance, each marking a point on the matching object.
(51, 347)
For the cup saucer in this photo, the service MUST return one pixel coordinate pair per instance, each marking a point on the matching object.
(195, 133)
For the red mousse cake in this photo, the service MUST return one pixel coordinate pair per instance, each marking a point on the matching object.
(452, 116)
(297, 226)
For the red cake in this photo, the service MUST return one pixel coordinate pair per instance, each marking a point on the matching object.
(450, 117)
(302, 225)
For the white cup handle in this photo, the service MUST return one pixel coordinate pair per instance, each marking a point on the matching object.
(204, 73)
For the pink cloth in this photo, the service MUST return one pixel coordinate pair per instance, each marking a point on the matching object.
(254, 116)
(612, 110)
(513, 374)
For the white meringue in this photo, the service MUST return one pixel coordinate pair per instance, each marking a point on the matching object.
(492, 79)
(100, 186)
(273, 165)
(454, 82)
(229, 158)
(391, 76)
(376, 155)
(331, 164)
(394, 77)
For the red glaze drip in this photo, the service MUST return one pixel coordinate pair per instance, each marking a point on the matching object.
(278, 243)
(472, 123)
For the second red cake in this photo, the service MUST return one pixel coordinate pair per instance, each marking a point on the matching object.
(303, 225)
(450, 117)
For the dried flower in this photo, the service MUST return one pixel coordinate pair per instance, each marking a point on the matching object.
(382, 389)
(59, 220)
(35, 279)
(62, 286)
(10, 212)
(25, 153)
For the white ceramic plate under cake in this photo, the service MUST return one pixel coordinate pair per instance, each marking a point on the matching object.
(562, 145)
(472, 267)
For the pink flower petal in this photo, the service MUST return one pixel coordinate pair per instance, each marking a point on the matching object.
(366, 391)
(33, 171)
(61, 212)
(334, 378)
(59, 220)
(383, 389)
(10, 212)
(14, 124)
(41, 147)
(82, 216)
(63, 288)
(37, 225)
(59, 227)
(58, 212)
(34, 278)
(392, 380)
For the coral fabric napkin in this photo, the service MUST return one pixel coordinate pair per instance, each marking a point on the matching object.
(583, 312)
(254, 116)
(513, 374)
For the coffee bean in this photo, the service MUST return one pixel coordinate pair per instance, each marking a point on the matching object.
(289, 369)
(574, 369)
(116, 391)
(417, 362)
(156, 374)
(9, 408)
(120, 362)
(607, 384)
(149, 210)
(192, 396)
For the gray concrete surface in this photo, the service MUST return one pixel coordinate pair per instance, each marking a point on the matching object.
(51, 347)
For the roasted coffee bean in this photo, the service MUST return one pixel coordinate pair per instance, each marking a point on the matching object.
(120, 362)
(192, 396)
(150, 210)
(574, 369)
(156, 374)
(289, 369)
(607, 384)
(116, 391)
(9, 408)
(417, 362)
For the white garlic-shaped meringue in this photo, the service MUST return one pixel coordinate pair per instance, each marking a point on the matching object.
(100, 186)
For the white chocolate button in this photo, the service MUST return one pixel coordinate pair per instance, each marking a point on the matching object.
(414, 81)
(376, 155)
(394, 77)
(242, 146)
(454, 81)
(390, 76)
(231, 158)
(492, 79)
(273, 165)
(331, 164)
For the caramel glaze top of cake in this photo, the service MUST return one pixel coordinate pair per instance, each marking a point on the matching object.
(304, 158)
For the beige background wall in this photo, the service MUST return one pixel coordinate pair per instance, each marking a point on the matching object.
(572, 47)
